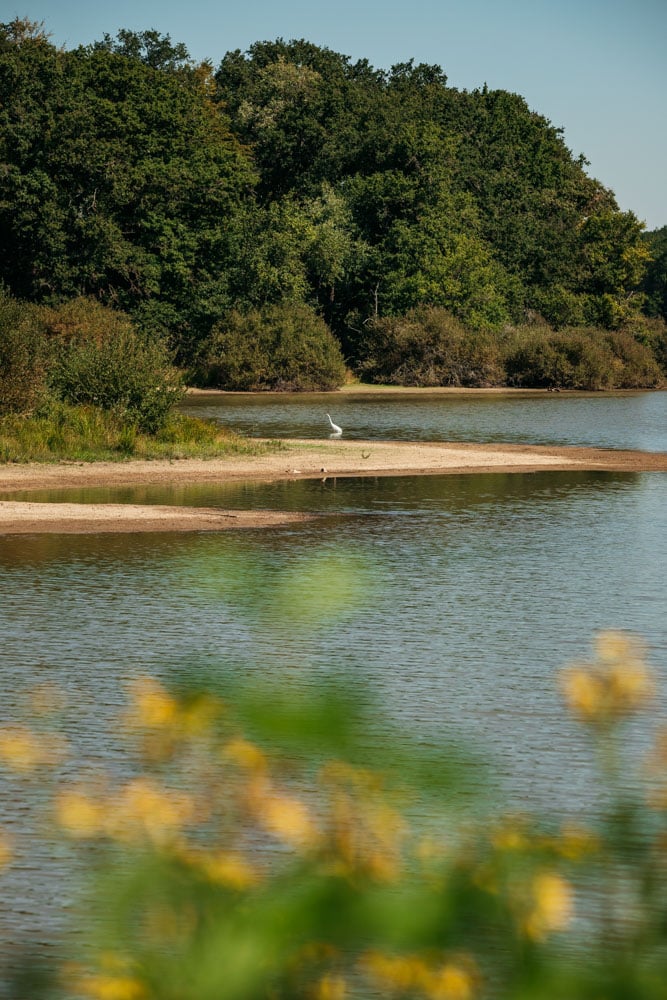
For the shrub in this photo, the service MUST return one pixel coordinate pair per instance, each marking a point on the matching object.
(636, 366)
(652, 333)
(427, 347)
(579, 358)
(280, 347)
(99, 358)
(22, 361)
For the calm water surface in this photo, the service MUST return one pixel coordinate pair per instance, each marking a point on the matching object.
(611, 420)
(456, 598)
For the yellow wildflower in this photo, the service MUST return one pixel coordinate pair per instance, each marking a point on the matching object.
(6, 853)
(79, 814)
(617, 683)
(331, 988)
(153, 706)
(245, 754)
(230, 870)
(288, 819)
(395, 973)
(114, 981)
(451, 982)
(146, 809)
(583, 692)
(104, 987)
(23, 751)
(511, 835)
(551, 905)
(454, 979)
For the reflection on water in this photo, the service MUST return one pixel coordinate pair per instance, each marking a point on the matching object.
(475, 590)
(636, 420)
(457, 598)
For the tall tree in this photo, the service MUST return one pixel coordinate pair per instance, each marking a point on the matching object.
(121, 180)
(655, 282)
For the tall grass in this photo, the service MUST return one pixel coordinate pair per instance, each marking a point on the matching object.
(86, 434)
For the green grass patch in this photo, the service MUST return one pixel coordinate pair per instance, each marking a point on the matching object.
(61, 432)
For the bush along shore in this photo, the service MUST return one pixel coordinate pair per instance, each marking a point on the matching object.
(80, 381)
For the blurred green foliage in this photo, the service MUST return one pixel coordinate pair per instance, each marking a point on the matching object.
(271, 839)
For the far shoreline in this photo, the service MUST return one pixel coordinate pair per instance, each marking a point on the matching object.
(370, 389)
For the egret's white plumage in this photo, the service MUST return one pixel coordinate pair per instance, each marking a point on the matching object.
(334, 427)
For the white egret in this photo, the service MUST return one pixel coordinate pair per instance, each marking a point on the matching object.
(334, 427)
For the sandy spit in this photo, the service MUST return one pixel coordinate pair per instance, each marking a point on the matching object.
(297, 460)
(18, 518)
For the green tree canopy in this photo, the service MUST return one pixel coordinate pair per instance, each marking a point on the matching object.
(294, 175)
(122, 181)
(655, 282)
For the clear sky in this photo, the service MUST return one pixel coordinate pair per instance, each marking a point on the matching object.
(596, 68)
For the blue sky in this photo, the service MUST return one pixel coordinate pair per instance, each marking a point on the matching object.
(596, 68)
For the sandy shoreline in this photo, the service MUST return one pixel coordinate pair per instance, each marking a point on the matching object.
(298, 459)
(17, 518)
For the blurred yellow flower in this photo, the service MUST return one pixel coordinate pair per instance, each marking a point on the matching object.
(331, 988)
(6, 852)
(147, 809)
(288, 819)
(245, 755)
(152, 705)
(584, 692)
(24, 751)
(142, 810)
(551, 905)
(511, 834)
(230, 870)
(164, 724)
(366, 832)
(102, 987)
(114, 981)
(409, 974)
(617, 683)
(395, 973)
(79, 814)
(452, 982)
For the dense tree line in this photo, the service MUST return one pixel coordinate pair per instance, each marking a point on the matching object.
(291, 181)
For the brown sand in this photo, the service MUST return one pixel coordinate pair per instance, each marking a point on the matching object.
(298, 460)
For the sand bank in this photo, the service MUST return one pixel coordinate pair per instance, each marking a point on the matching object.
(298, 459)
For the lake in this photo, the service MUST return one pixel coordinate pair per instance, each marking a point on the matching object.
(456, 598)
(636, 420)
